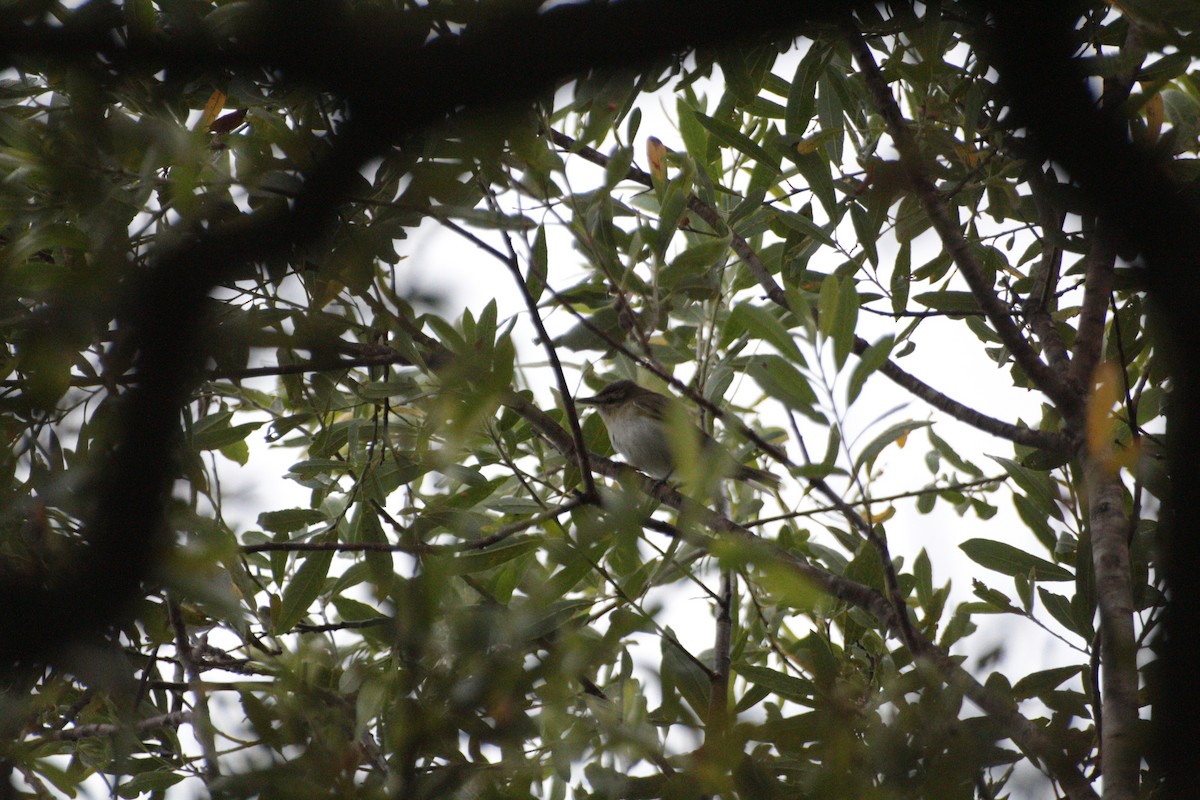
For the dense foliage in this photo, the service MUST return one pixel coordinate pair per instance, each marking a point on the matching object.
(467, 603)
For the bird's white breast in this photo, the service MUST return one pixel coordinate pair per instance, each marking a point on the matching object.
(640, 440)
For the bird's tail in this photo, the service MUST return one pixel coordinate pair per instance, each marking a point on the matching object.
(767, 480)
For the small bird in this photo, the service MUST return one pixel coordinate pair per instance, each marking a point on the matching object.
(639, 421)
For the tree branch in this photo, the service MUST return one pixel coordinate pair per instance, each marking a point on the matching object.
(201, 721)
(1047, 380)
(1042, 440)
(1093, 312)
(172, 720)
(1045, 273)
(758, 550)
(1120, 751)
(718, 698)
(1050, 441)
(868, 502)
(500, 535)
(1133, 193)
(510, 262)
(399, 80)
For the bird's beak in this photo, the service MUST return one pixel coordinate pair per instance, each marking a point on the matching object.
(586, 401)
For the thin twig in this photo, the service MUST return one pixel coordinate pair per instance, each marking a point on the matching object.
(418, 549)
(172, 720)
(201, 721)
(510, 261)
(758, 550)
(1045, 274)
(718, 687)
(868, 502)
(1097, 294)
(1054, 385)
(902, 622)
(336, 547)
(346, 625)
(1044, 440)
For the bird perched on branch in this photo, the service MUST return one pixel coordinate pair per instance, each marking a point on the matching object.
(654, 433)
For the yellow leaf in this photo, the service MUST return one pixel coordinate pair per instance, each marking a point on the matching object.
(810, 144)
(216, 102)
(325, 291)
(789, 587)
(902, 439)
(1128, 457)
(656, 152)
(1106, 389)
(882, 516)
(968, 154)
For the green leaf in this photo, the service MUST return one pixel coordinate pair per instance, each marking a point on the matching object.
(739, 141)
(865, 568)
(238, 452)
(815, 654)
(695, 137)
(148, 783)
(801, 100)
(778, 378)
(872, 359)
(960, 625)
(826, 466)
(141, 17)
(1039, 488)
(866, 230)
(787, 687)
(365, 528)
(911, 220)
(947, 452)
(827, 305)
(923, 575)
(744, 69)
(1170, 65)
(214, 437)
(619, 162)
(871, 451)
(1009, 560)
(754, 695)
(949, 301)
(845, 322)
(318, 466)
(686, 675)
(815, 169)
(794, 733)
(804, 225)
(486, 218)
(535, 280)
(674, 204)
(1183, 112)
(1040, 683)
(481, 560)
(290, 519)
(760, 323)
(830, 110)
(304, 587)
(352, 610)
(996, 601)
(698, 260)
(1059, 607)
(1035, 520)
(901, 279)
